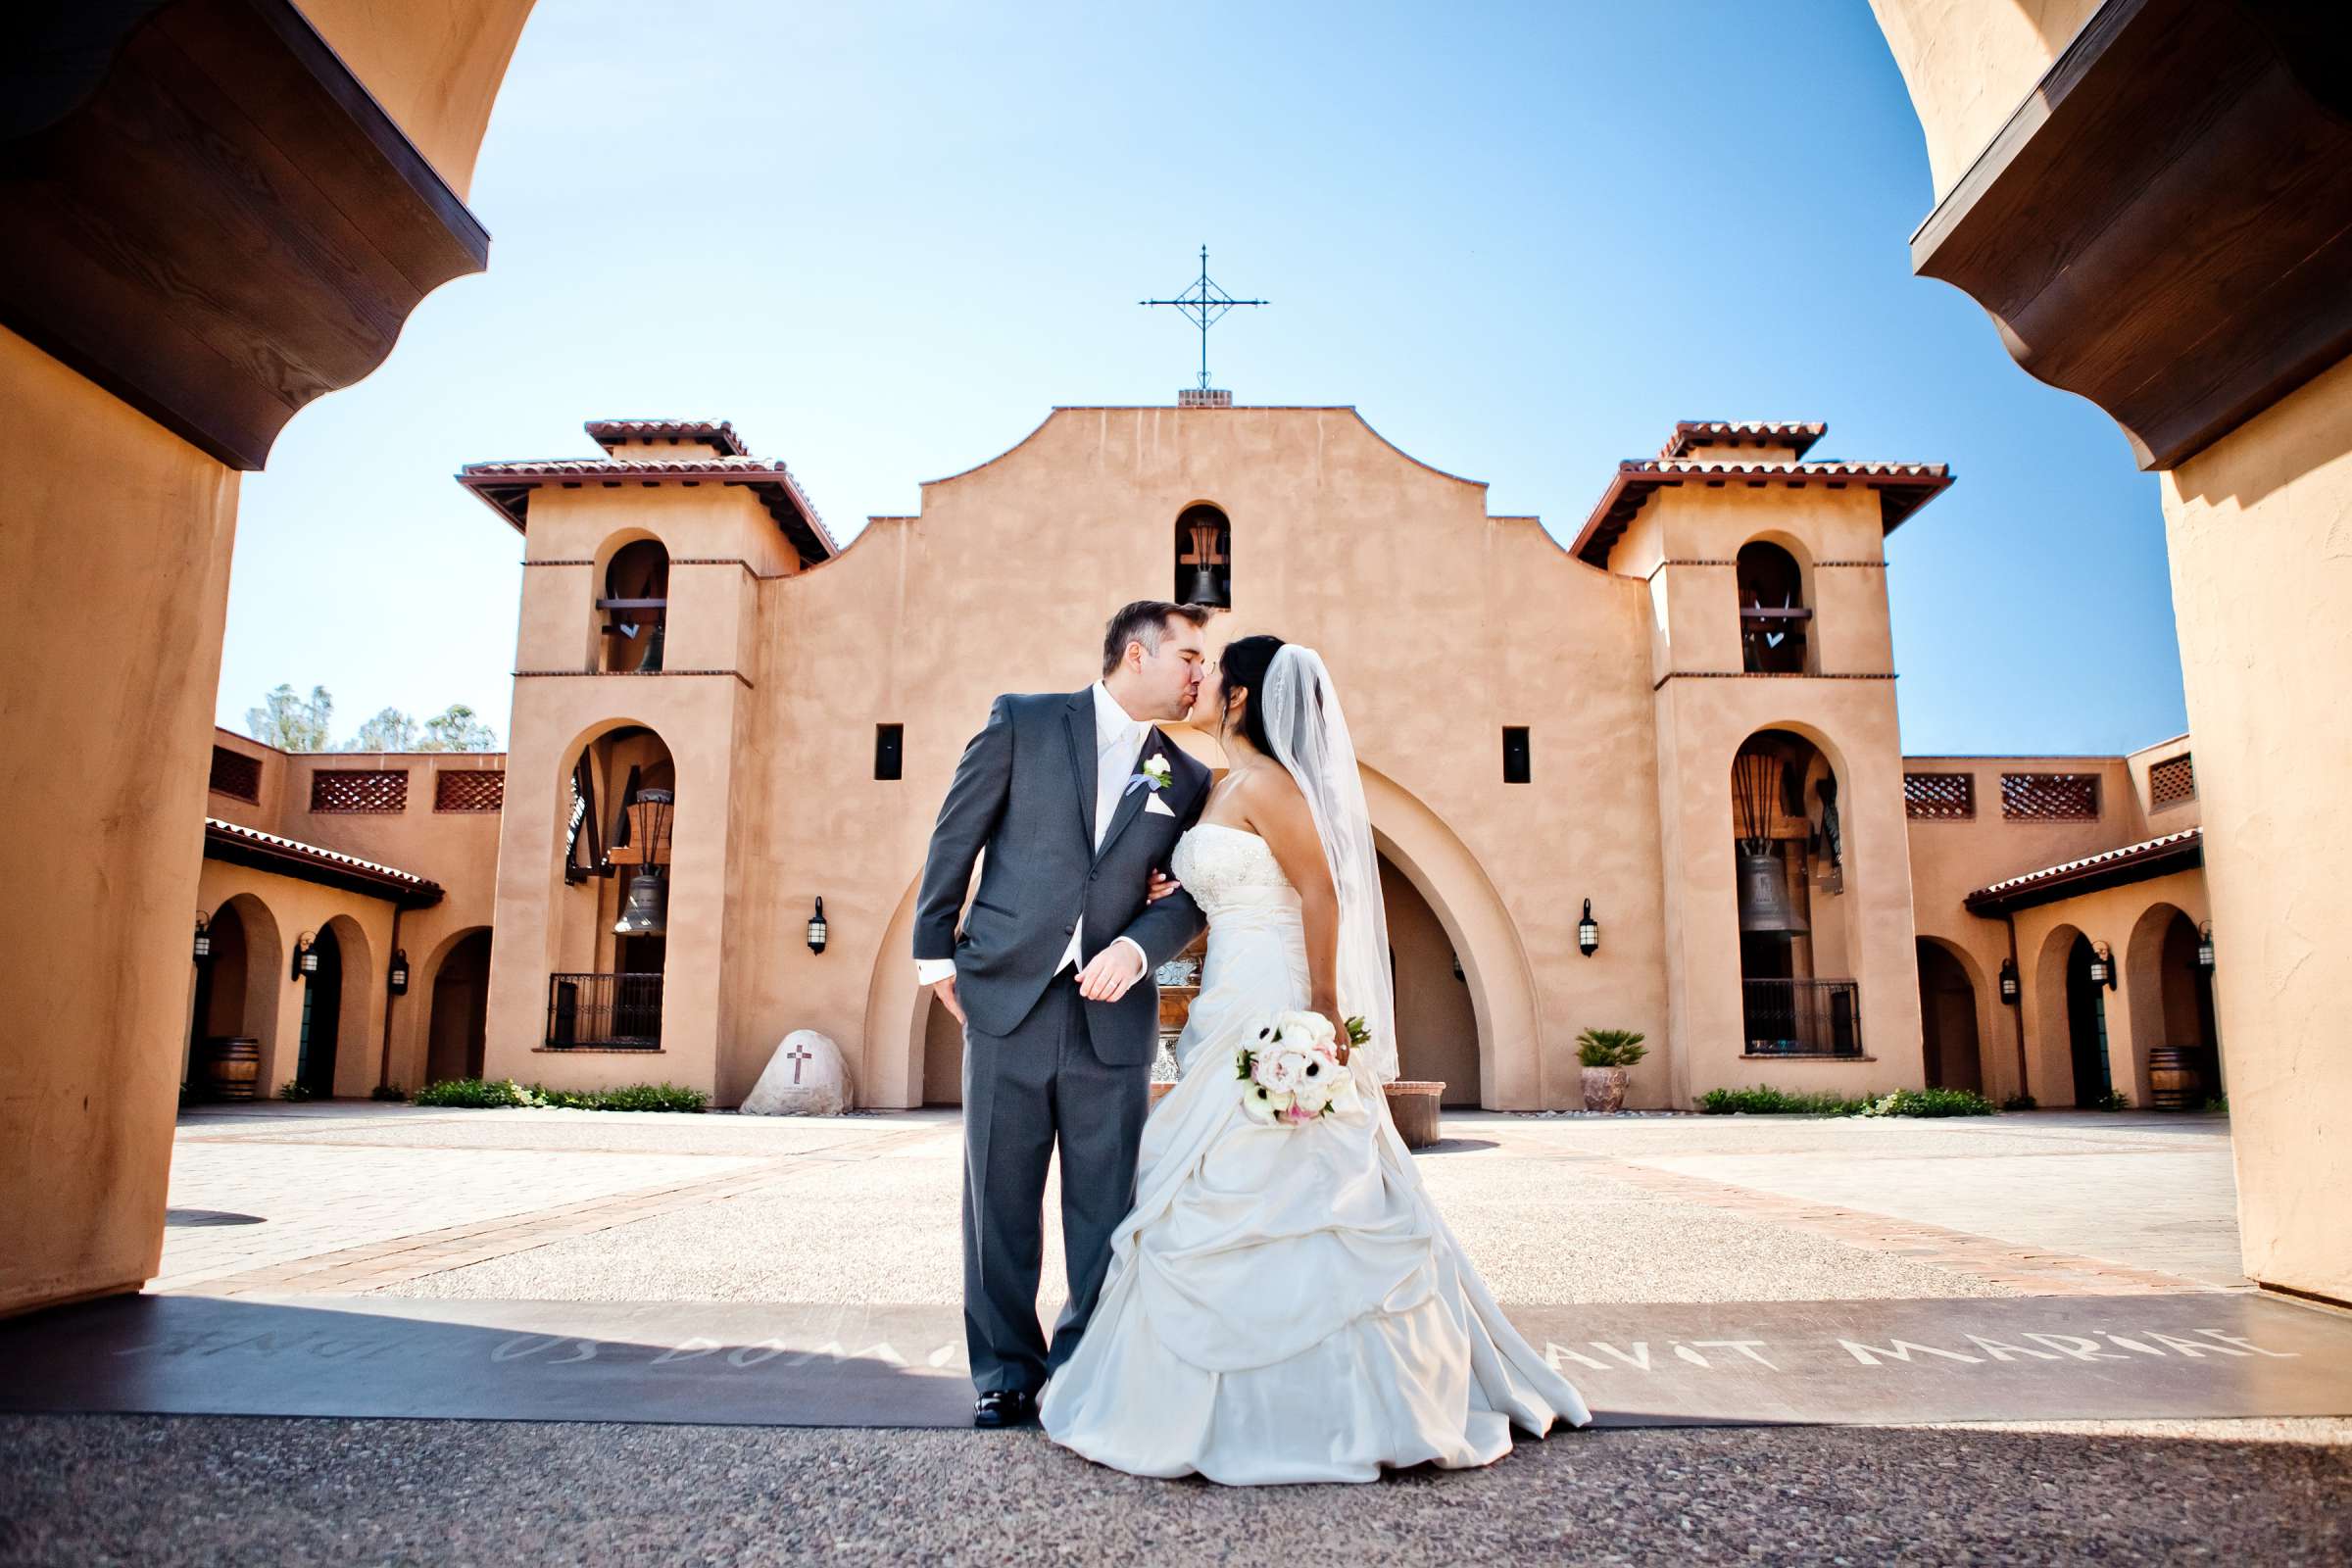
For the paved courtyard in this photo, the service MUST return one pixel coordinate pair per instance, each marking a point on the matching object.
(336, 1205)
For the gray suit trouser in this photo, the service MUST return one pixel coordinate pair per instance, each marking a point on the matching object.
(1024, 1093)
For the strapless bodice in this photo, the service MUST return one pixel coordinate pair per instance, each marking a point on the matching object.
(1229, 871)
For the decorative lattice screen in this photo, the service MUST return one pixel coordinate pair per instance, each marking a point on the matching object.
(236, 774)
(2051, 797)
(353, 789)
(1940, 796)
(2170, 783)
(469, 789)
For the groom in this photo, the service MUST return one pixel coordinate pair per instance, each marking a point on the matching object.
(1076, 799)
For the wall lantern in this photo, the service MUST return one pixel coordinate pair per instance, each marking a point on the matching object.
(2102, 965)
(399, 977)
(2009, 985)
(306, 954)
(1587, 932)
(817, 928)
(2205, 947)
(203, 940)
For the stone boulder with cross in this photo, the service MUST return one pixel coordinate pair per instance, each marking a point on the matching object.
(808, 1076)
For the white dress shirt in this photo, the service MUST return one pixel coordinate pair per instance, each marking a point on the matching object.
(1118, 743)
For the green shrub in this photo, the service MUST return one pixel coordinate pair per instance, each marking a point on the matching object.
(474, 1094)
(2018, 1102)
(1928, 1102)
(2112, 1100)
(1764, 1102)
(388, 1092)
(2220, 1102)
(1610, 1048)
(293, 1088)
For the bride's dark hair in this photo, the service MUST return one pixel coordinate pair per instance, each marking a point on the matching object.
(1244, 661)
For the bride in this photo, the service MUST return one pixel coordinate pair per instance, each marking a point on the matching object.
(1283, 1303)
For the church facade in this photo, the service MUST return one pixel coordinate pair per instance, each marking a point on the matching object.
(1650, 780)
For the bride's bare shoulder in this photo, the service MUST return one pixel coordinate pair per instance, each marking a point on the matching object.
(1269, 791)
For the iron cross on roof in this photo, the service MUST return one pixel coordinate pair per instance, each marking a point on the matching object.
(1204, 304)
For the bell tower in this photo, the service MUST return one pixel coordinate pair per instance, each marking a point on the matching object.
(636, 664)
(1789, 950)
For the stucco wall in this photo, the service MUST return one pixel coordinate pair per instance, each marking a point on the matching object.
(2259, 528)
(117, 535)
(1968, 62)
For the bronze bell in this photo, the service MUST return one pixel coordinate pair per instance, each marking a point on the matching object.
(645, 913)
(1764, 902)
(1204, 588)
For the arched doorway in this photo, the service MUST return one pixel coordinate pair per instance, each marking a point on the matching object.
(236, 987)
(1947, 1017)
(2171, 995)
(608, 913)
(320, 1029)
(943, 1056)
(460, 1000)
(1437, 1028)
(2087, 1025)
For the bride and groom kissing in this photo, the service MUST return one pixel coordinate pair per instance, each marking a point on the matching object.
(1255, 1299)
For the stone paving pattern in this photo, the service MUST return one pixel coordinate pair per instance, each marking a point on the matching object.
(580, 1205)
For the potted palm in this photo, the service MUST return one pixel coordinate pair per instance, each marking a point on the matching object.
(1606, 1053)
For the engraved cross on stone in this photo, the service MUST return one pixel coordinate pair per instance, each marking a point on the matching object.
(803, 1053)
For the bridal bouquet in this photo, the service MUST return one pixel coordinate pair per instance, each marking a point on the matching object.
(1292, 1073)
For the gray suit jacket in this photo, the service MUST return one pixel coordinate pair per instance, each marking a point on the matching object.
(1024, 792)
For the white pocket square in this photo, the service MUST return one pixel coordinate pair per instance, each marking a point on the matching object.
(1155, 804)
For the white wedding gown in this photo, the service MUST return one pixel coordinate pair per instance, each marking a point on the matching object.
(1284, 1304)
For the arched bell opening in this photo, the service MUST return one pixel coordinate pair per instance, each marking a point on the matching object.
(1204, 557)
(633, 608)
(1795, 941)
(1774, 618)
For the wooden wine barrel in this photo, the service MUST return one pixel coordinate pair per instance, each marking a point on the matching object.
(2174, 1081)
(232, 1068)
(1413, 1107)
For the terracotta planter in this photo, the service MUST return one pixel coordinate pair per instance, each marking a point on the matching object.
(1413, 1107)
(1604, 1088)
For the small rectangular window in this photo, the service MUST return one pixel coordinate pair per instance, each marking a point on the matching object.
(2051, 797)
(889, 750)
(1939, 796)
(334, 789)
(2172, 781)
(1516, 767)
(237, 775)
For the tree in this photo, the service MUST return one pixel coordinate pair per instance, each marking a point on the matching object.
(457, 731)
(454, 730)
(388, 731)
(290, 723)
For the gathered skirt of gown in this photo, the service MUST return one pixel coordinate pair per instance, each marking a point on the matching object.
(1285, 1303)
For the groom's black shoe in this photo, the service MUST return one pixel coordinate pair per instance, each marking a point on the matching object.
(1004, 1407)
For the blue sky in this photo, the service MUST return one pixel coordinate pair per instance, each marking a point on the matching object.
(884, 238)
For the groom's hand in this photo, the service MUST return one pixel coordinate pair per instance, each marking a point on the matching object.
(1112, 972)
(946, 991)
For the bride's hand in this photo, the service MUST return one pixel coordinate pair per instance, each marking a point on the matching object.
(1339, 1027)
(1162, 886)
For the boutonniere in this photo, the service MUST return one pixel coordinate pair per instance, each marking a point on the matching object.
(1156, 774)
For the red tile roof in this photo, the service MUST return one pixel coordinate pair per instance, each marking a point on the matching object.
(720, 433)
(1902, 487)
(268, 852)
(506, 488)
(1762, 433)
(2134, 862)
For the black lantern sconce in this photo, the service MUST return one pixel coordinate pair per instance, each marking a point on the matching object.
(204, 938)
(2102, 965)
(2009, 985)
(399, 977)
(2205, 947)
(1587, 932)
(306, 954)
(817, 928)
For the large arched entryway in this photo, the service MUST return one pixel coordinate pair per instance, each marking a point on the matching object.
(460, 1003)
(608, 910)
(238, 983)
(1949, 1038)
(2171, 1005)
(1437, 893)
(1797, 942)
